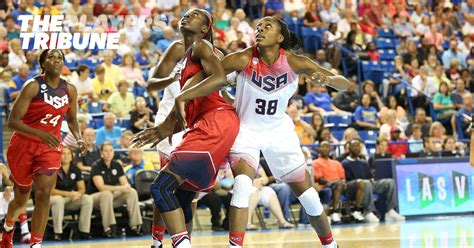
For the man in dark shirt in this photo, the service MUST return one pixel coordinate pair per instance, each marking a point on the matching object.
(85, 162)
(109, 188)
(420, 119)
(347, 100)
(380, 153)
(357, 169)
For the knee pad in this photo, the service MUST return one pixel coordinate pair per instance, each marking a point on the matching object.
(162, 190)
(311, 203)
(242, 191)
(185, 199)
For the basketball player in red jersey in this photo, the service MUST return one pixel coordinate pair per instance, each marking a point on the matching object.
(34, 153)
(267, 77)
(212, 123)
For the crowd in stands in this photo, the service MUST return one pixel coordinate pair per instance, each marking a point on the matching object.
(419, 106)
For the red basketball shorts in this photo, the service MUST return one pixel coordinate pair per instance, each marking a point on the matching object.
(27, 158)
(204, 147)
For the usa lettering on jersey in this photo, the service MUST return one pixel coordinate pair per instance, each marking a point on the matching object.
(269, 83)
(56, 101)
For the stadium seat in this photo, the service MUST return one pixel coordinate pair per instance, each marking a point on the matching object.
(387, 66)
(71, 64)
(372, 71)
(368, 136)
(383, 43)
(340, 121)
(91, 63)
(94, 107)
(307, 119)
(387, 54)
(310, 37)
(386, 33)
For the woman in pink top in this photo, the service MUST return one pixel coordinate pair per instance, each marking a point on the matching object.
(130, 70)
(434, 37)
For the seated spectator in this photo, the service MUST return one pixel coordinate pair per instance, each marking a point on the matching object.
(16, 56)
(423, 88)
(318, 100)
(273, 7)
(267, 197)
(411, 54)
(3, 39)
(143, 58)
(403, 27)
(123, 45)
(112, 71)
(437, 136)
(391, 85)
(372, 52)
(333, 36)
(357, 169)
(415, 143)
(141, 117)
(397, 150)
(327, 16)
(82, 81)
(109, 132)
(130, 71)
(70, 194)
(434, 37)
(368, 27)
(83, 120)
(365, 116)
(311, 17)
(352, 46)
(109, 187)
(321, 59)
(102, 87)
(164, 43)
(326, 135)
(449, 147)
(329, 173)
(453, 53)
(401, 118)
(347, 100)
(303, 129)
(468, 28)
(381, 152)
(137, 163)
(442, 103)
(14, 87)
(440, 76)
(344, 26)
(463, 47)
(12, 31)
(389, 120)
(349, 134)
(32, 62)
(423, 121)
(368, 87)
(215, 202)
(417, 16)
(125, 144)
(453, 73)
(120, 103)
(458, 93)
(317, 123)
(466, 110)
(85, 162)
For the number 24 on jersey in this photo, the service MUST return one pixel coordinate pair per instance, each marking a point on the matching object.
(48, 120)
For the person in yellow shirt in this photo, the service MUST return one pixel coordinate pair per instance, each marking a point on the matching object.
(102, 88)
(122, 102)
(113, 72)
(137, 163)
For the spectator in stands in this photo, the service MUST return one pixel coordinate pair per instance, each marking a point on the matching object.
(347, 100)
(266, 196)
(3, 39)
(152, 48)
(83, 82)
(112, 72)
(102, 87)
(31, 60)
(440, 76)
(317, 123)
(453, 73)
(83, 120)
(311, 17)
(437, 136)
(166, 41)
(443, 104)
(368, 87)
(349, 134)
(389, 120)
(244, 26)
(423, 27)
(463, 47)
(392, 103)
(368, 27)
(327, 16)
(449, 147)
(423, 88)
(131, 71)
(403, 27)
(366, 116)
(417, 16)
(326, 135)
(456, 95)
(373, 54)
(423, 121)
(344, 26)
(85, 162)
(357, 169)
(329, 173)
(321, 59)
(109, 132)
(381, 147)
(318, 100)
(453, 53)
(412, 53)
(125, 144)
(333, 36)
(468, 28)
(70, 194)
(143, 58)
(398, 151)
(466, 110)
(12, 31)
(137, 163)
(415, 143)
(304, 130)
(109, 187)
(141, 117)
(356, 50)
(120, 103)
(273, 7)
(391, 85)
(434, 37)
(17, 82)
(16, 57)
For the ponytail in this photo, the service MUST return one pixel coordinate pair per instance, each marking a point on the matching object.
(290, 40)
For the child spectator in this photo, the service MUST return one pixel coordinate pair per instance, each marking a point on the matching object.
(415, 143)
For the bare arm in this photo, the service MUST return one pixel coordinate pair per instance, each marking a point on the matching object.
(303, 65)
(81, 186)
(161, 76)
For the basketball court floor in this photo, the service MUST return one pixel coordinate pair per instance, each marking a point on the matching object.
(444, 232)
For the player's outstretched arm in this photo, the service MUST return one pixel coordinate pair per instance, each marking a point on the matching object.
(72, 122)
(163, 75)
(304, 65)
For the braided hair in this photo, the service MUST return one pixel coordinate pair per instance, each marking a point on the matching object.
(291, 40)
(42, 57)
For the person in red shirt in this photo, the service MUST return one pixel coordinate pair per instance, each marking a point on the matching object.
(397, 150)
(367, 26)
(34, 152)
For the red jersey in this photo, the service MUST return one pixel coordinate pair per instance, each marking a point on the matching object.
(47, 108)
(198, 106)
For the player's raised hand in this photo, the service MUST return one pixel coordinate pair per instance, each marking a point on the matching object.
(179, 106)
(49, 139)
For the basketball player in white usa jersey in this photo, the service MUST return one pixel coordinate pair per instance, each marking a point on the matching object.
(267, 78)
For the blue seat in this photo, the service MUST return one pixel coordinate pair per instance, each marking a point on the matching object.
(338, 134)
(310, 37)
(94, 107)
(71, 64)
(340, 121)
(368, 135)
(383, 43)
(386, 33)
(98, 123)
(373, 71)
(89, 62)
(387, 66)
(307, 119)
(387, 54)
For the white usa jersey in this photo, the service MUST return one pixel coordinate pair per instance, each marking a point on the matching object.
(263, 92)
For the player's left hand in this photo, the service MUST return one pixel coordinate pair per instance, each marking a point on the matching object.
(154, 135)
(83, 147)
(179, 106)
